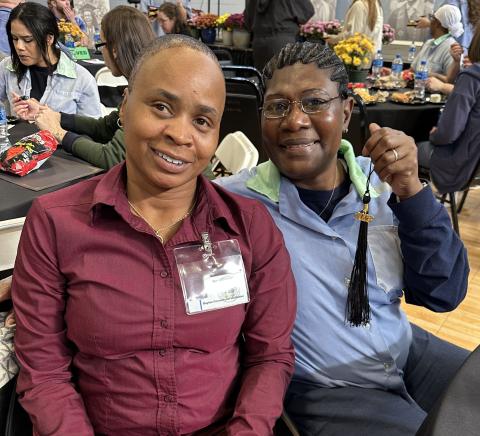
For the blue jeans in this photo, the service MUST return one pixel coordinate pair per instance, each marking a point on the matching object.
(353, 411)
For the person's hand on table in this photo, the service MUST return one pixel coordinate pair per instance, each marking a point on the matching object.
(436, 85)
(422, 23)
(5, 294)
(25, 109)
(49, 120)
(394, 157)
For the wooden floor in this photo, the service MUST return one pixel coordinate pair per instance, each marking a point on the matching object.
(462, 326)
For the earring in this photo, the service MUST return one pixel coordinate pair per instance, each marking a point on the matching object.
(345, 130)
(119, 123)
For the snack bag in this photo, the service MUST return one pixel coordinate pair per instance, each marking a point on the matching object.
(29, 153)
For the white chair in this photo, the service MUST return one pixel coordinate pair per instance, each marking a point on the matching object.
(104, 77)
(10, 231)
(235, 153)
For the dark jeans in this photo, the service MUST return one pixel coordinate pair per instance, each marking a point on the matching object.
(353, 411)
(425, 150)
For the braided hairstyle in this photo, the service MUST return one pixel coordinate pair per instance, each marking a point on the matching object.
(308, 53)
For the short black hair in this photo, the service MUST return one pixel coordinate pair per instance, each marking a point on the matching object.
(308, 53)
(166, 42)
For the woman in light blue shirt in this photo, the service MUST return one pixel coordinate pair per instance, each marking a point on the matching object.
(38, 69)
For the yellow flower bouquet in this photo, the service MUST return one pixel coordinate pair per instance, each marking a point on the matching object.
(355, 52)
(69, 33)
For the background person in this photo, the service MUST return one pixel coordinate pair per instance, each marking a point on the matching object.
(173, 19)
(125, 32)
(38, 69)
(6, 7)
(363, 16)
(445, 25)
(146, 5)
(453, 152)
(274, 23)
(381, 377)
(104, 300)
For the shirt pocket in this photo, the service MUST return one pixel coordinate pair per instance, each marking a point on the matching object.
(384, 247)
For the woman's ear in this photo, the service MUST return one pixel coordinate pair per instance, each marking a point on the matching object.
(347, 111)
(121, 112)
(50, 40)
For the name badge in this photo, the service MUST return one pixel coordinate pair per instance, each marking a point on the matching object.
(212, 275)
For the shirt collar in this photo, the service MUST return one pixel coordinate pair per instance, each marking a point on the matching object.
(442, 38)
(211, 205)
(65, 66)
(267, 179)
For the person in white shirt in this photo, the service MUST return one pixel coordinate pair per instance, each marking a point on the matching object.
(363, 16)
(324, 10)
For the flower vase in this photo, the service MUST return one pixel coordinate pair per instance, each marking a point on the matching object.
(208, 35)
(227, 37)
(357, 76)
(241, 38)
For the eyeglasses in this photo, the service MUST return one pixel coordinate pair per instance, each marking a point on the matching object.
(99, 45)
(281, 107)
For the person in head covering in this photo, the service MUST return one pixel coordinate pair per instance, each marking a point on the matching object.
(445, 25)
(381, 377)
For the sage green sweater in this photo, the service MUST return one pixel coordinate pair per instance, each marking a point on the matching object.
(98, 141)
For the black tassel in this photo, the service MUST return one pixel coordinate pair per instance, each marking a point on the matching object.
(358, 306)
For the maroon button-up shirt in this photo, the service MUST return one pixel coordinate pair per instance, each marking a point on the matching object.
(103, 338)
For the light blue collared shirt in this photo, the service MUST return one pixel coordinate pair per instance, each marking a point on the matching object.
(4, 15)
(70, 89)
(330, 353)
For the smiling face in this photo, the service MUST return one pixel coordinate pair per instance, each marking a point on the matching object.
(171, 119)
(25, 45)
(304, 146)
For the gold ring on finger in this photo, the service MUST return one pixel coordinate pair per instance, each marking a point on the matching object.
(395, 154)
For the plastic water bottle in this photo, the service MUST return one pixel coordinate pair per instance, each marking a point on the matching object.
(412, 51)
(4, 142)
(377, 64)
(397, 68)
(69, 41)
(421, 76)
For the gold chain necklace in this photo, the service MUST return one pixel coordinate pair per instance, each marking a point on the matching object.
(160, 229)
(331, 195)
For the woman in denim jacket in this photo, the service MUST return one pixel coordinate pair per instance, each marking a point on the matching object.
(38, 69)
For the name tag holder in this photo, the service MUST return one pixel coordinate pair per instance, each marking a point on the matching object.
(212, 275)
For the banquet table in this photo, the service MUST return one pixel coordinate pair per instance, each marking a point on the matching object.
(15, 200)
(414, 120)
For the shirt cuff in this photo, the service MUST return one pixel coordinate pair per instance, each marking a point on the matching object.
(68, 140)
(416, 211)
(67, 121)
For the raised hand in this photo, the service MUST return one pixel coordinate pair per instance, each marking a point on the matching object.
(394, 157)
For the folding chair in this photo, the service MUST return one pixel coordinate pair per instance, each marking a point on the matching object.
(110, 88)
(234, 153)
(242, 85)
(450, 197)
(242, 113)
(246, 72)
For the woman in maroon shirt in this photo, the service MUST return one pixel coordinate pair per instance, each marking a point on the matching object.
(97, 290)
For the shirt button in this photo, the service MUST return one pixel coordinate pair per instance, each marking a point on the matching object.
(163, 274)
(387, 366)
(162, 352)
(163, 323)
(169, 398)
